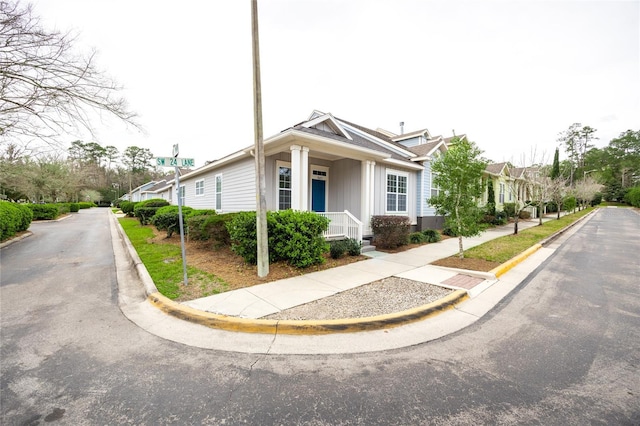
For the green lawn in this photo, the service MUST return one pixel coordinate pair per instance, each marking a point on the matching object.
(164, 263)
(504, 248)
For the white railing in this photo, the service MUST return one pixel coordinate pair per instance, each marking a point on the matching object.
(342, 225)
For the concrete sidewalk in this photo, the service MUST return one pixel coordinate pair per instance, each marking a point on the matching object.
(270, 298)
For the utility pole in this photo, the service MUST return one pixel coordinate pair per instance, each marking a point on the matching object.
(261, 189)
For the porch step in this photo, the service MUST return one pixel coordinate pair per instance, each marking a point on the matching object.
(366, 246)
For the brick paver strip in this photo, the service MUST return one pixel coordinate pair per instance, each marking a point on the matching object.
(463, 281)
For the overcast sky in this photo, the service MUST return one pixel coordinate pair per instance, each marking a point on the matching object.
(509, 74)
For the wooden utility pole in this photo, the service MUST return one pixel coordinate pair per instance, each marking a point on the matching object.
(261, 190)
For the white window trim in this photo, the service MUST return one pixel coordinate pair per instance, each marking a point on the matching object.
(278, 165)
(215, 182)
(433, 186)
(182, 192)
(202, 193)
(386, 177)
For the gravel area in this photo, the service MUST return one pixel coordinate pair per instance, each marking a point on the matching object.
(380, 297)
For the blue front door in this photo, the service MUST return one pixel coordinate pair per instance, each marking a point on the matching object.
(318, 194)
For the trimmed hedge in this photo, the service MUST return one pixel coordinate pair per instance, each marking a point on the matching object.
(295, 237)
(44, 211)
(633, 196)
(74, 207)
(390, 232)
(145, 210)
(127, 207)
(167, 219)
(14, 218)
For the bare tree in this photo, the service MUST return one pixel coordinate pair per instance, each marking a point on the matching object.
(585, 190)
(45, 87)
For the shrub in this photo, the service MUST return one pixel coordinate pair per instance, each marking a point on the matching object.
(214, 227)
(570, 203)
(295, 237)
(243, 234)
(44, 211)
(510, 209)
(597, 199)
(63, 208)
(354, 247)
(551, 207)
(633, 196)
(127, 207)
(194, 227)
(431, 235)
(74, 207)
(14, 218)
(337, 248)
(167, 219)
(417, 238)
(145, 210)
(86, 205)
(390, 231)
(490, 209)
(500, 219)
(524, 215)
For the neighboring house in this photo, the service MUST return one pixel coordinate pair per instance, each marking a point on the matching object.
(510, 185)
(138, 193)
(327, 165)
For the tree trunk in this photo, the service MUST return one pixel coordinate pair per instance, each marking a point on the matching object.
(461, 252)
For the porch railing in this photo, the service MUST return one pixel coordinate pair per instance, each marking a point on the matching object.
(342, 225)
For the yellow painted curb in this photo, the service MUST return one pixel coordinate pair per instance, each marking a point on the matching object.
(506, 266)
(305, 327)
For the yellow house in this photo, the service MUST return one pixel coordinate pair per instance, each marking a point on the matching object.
(510, 185)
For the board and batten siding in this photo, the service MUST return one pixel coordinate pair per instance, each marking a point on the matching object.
(345, 177)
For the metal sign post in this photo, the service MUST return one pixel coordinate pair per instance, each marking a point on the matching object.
(175, 161)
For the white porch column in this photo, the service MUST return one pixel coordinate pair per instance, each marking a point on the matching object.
(367, 194)
(304, 179)
(372, 191)
(295, 177)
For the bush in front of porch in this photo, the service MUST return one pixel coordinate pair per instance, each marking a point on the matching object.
(294, 236)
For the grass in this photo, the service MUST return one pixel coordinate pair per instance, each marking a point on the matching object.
(504, 248)
(164, 263)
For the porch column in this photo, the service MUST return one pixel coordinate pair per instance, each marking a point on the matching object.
(367, 194)
(295, 177)
(304, 179)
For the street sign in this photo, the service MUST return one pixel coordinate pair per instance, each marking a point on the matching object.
(175, 162)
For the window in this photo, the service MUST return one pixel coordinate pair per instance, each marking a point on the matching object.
(284, 187)
(199, 187)
(218, 192)
(501, 199)
(396, 191)
(181, 193)
(435, 191)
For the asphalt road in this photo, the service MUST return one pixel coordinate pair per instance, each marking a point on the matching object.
(562, 349)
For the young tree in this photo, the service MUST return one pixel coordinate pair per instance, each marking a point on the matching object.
(555, 170)
(45, 87)
(458, 174)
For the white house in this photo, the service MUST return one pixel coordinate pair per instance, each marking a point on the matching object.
(326, 165)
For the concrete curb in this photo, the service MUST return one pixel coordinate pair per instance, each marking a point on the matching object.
(16, 239)
(509, 264)
(305, 327)
(135, 261)
(311, 327)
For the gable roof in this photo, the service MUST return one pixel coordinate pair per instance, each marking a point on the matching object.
(428, 148)
(496, 168)
(423, 132)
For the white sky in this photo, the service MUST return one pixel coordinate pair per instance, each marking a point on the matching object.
(510, 74)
